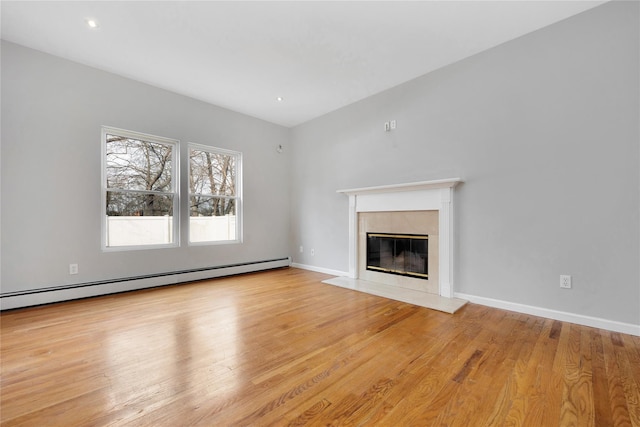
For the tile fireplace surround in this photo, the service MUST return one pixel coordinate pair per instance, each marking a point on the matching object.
(398, 203)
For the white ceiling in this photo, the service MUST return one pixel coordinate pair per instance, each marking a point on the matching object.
(319, 56)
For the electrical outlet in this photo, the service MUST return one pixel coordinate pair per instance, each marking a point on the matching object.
(313, 252)
(565, 281)
(301, 249)
(393, 124)
(73, 268)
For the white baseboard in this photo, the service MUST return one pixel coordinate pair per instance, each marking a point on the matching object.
(595, 322)
(85, 290)
(320, 269)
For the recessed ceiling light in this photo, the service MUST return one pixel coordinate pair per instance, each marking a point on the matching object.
(279, 99)
(92, 23)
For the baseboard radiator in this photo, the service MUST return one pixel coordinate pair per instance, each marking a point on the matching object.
(31, 297)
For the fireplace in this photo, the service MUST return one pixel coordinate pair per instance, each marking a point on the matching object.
(399, 249)
(418, 208)
(401, 254)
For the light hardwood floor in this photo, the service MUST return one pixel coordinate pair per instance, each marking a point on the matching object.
(280, 348)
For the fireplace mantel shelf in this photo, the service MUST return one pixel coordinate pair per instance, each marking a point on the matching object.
(412, 186)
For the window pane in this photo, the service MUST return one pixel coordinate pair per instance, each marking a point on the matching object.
(211, 206)
(138, 204)
(135, 219)
(212, 173)
(212, 219)
(133, 164)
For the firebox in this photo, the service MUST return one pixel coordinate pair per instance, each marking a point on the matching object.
(403, 254)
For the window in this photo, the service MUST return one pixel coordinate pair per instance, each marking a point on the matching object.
(140, 200)
(214, 195)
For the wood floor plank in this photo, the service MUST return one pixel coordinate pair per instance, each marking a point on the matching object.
(570, 396)
(618, 400)
(601, 398)
(549, 387)
(530, 356)
(281, 348)
(586, 414)
(630, 383)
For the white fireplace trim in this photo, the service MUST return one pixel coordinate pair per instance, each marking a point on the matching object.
(415, 196)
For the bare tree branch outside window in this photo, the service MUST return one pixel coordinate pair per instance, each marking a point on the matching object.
(213, 194)
(137, 174)
(212, 183)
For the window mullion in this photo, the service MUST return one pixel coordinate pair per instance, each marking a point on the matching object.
(212, 195)
(124, 190)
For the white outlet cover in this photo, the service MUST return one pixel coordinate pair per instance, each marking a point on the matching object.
(565, 281)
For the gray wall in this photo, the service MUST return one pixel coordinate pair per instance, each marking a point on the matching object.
(545, 132)
(52, 111)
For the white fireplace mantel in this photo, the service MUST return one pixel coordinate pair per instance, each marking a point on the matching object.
(415, 196)
(412, 186)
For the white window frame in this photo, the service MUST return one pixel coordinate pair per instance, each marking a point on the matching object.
(237, 197)
(175, 185)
